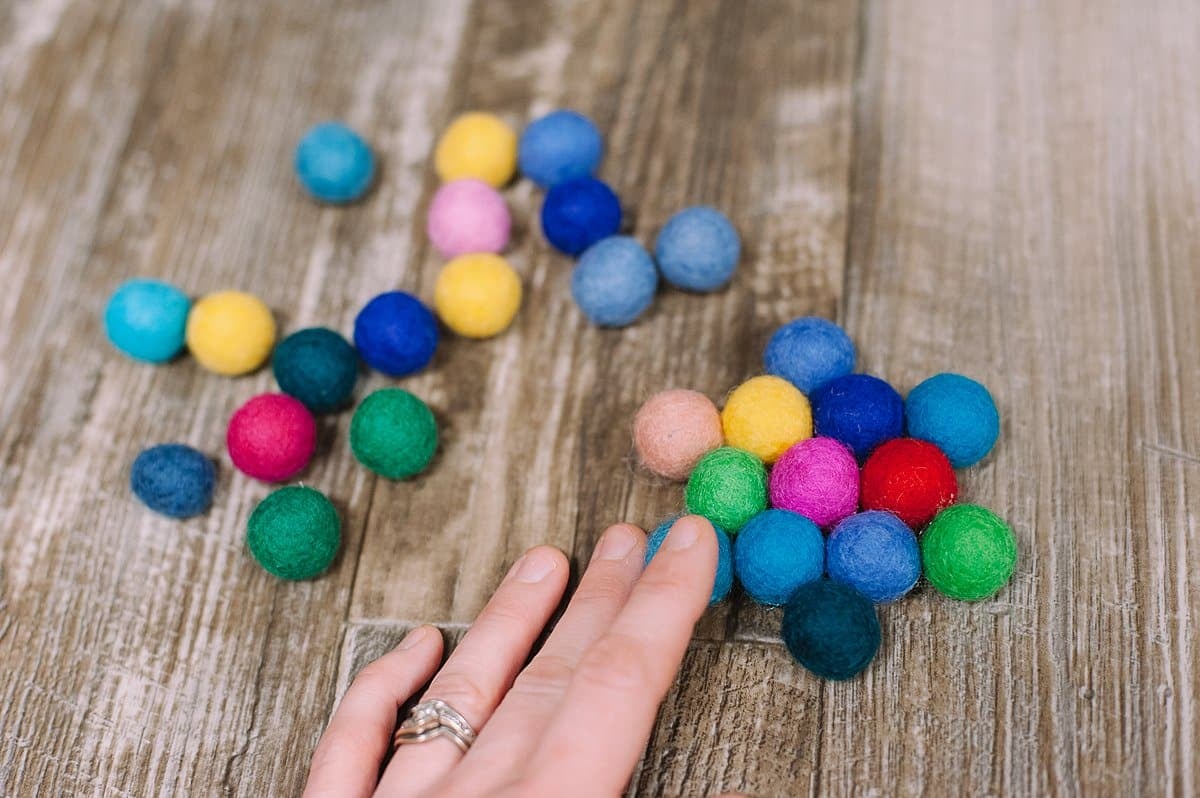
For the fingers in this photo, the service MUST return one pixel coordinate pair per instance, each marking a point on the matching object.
(482, 667)
(608, 710)
(514, 730)
(346, 762)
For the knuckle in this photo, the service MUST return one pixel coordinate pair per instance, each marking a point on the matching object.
(617, 662)
(603, 587)
(547, 674)
(460, 691)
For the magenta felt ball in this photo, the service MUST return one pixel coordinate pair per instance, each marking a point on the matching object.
(818, 478)
(468, 216)
(271, 437)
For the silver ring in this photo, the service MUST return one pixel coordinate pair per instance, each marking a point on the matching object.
(431, 719)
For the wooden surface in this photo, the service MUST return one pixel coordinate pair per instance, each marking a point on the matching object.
(1008, 190)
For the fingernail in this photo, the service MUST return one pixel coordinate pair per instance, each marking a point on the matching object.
(414, 638)
(616, 544)
(685, 532)
(535, 566)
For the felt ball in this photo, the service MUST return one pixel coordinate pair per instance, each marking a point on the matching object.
(876, 554)
(859, 410)
(396, 334)
(477, 145)
(968, 553)
(468, 216)
(294, 533)
(910, 478)
(147, 320)
(698, 249)
(728, 486)
(230, 332)
(560, 146)
(614, 282)
(477, 296)
(818, 478)
(776, 552)
(831, 629)
(318, 367)
(334, 164)
(173, 479)
(393, 433)
(271, 437)
(765, 415)
(809, 352)
(578, 213)
(723, 580)
(673, 430)
(957, 414)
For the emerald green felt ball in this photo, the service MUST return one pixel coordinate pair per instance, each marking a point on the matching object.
(968, 553)
(393, 433)
(294, 533)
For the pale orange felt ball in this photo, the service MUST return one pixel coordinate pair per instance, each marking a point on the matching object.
(673, 430)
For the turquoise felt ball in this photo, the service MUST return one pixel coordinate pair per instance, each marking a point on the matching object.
(147, 320)
(698, 249)
(723, 580)
(776, 552)
(957, 414)
(334, 164)
(614, 282)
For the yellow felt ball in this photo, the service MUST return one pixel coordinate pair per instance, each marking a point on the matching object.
(477, 295)
(230, 332)
(765, 416)
(477, 145)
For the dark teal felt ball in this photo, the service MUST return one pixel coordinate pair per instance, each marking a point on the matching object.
(316, 366)
(831, 629)
(294, 533)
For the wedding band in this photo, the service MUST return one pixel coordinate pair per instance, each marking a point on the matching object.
(434, 718)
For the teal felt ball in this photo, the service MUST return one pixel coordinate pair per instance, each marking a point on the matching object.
(316, 366)
(294, 533)
(831, 629)
(723, 580)
(147, 320)
(393, 433)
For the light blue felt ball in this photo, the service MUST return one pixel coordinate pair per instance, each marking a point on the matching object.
(875, 553)
(957, 414)
(147, 320)
(560, 146)
(809, 352)
(776, 552)
(724, 577)
(698, 249)
(614, 281)
(334, 164)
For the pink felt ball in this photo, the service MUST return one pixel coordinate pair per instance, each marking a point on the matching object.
(271, 437)
(818, 478)
(468, 216)
(674, 429)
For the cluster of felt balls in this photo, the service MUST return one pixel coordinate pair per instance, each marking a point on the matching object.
(830, 493)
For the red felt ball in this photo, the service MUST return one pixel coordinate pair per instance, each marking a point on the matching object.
(910, 478)
(271, 437)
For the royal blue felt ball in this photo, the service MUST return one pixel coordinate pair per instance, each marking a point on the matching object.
(560, 146)
(809, 352)
(724, 577)
(316, 366)
(396, 334)
(875, 553)
(334, 164)
(147, 320)
(174, 480)
(578, 213)
(831, 629)
(698, 249)
(614, 281)
(859, 410)
(776, 552)
(957, 414)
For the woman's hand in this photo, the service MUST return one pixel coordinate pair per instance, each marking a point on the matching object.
(575, 720)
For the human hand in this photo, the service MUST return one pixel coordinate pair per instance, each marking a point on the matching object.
(575, 720)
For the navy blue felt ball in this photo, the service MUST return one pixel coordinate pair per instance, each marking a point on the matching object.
(174, 480)
(334, 164)
(723, 580)
(578, 213)
(809, 352)
(614, 281)
(396, 334)
(776, 552)
(859, 410)
(318, 367)
(875, 553)
(560, 146)
(831, 629)
(698, 249)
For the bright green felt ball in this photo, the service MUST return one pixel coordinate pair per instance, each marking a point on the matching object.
(968, 553)
(393, 433)
(729, 486)
(294, 533)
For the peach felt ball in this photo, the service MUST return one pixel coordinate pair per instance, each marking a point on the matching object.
(271, 437)
(468, 216)
(673, 430)
(818, 478)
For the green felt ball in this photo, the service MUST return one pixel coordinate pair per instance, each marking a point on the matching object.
(968, 553)
(393, 433)
(294, 533)
(729, 486)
